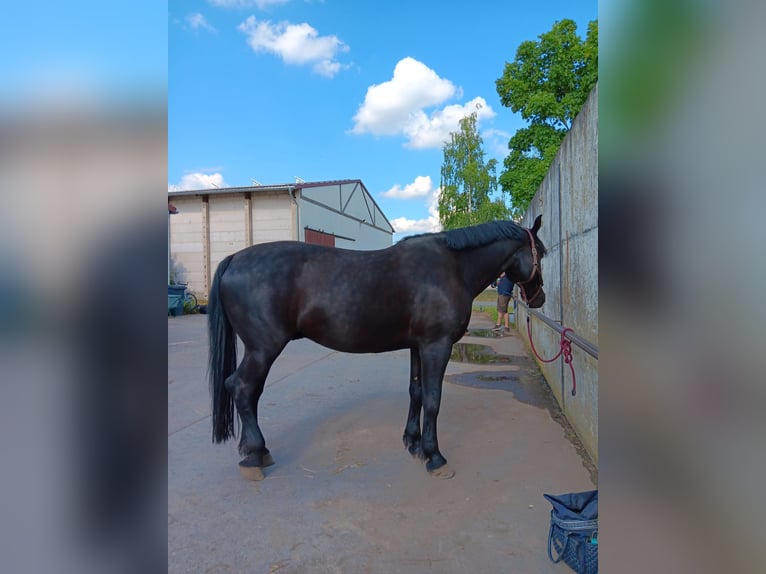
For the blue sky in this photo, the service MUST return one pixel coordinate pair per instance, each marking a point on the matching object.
(270, 90)
(59, 54)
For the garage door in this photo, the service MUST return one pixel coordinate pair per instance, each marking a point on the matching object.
(319, 238)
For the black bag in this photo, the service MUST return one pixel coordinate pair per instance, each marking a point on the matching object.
(573, 534)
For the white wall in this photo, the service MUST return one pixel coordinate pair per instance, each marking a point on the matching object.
(273, 218)
(227, 227)
(186, 242)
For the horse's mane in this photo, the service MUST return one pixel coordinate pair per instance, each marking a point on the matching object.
(477, 235)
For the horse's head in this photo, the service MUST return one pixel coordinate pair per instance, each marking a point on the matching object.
(524, 268)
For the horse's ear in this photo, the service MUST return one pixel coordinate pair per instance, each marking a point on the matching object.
(538, 222)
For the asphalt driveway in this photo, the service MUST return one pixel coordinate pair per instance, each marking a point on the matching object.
(344, 495)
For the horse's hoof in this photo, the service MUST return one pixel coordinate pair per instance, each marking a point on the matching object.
(251, 472)
(443, 471)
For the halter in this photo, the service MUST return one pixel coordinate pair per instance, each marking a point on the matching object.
(535, 271)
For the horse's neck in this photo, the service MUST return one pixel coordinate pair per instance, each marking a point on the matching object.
(482, 265)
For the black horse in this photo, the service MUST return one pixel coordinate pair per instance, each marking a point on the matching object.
(416, 294)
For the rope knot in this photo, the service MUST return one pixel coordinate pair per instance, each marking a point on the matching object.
(566, 346)
(565, 351)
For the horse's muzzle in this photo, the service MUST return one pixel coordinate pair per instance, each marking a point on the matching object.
(537, 301)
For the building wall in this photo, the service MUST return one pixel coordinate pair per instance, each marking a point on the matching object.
(230, 225)
(347, 211)
(227, 227)
(273, 218)
(186, 242)
(568, 202)
(349, 232)
(205, 231)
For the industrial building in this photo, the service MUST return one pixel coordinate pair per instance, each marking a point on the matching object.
(210, 224)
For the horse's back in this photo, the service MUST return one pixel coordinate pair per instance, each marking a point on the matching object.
(348, 300)
(322, 266)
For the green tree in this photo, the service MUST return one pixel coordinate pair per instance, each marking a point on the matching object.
(547, 83)
(467, 181)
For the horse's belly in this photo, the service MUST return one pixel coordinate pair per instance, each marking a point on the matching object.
(359, 342)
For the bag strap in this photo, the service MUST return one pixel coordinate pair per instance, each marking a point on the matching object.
(550, 545)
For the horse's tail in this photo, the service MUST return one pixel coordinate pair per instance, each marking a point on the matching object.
(223, 359)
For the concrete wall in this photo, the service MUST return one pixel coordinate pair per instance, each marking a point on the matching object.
(273, 218)
(230, 222)
(186, 242)
(227, 228)
(568, 202)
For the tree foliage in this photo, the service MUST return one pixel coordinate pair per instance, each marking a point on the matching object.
(547, 83)
(467, 181)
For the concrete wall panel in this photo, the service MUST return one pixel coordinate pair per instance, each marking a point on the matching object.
(186, 243)
(568, 202)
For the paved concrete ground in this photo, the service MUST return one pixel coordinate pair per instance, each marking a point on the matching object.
(344, 495)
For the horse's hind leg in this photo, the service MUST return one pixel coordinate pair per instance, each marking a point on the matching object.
(246, 386)
(412, 438)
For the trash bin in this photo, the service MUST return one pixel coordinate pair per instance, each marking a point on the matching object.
(176, 300)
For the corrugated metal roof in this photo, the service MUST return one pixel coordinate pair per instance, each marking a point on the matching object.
(223, 190)
(257, 188)
(276, 187)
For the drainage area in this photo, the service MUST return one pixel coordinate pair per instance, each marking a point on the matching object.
(475, 353)
(487, 333)
(516, 378)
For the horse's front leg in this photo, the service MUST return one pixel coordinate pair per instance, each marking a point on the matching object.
(412, 437)
(434, 359)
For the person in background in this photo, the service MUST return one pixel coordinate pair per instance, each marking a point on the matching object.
(504, 292)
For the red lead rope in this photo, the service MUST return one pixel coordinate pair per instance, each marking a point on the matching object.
(565, 350)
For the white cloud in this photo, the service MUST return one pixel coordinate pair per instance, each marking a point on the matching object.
(434, 131)
(405, 226)
(295, 43)
(496, 142)
(410, 226)
(197, 21)
(399, 105)
(421, 187)
(199, 180)
(388, 107)
(246, 3)
(327, 68)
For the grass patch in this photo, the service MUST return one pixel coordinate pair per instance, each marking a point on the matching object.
(487, 296)
(484, 306)
(486, 302)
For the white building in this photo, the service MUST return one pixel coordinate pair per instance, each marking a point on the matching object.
(213, 223)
